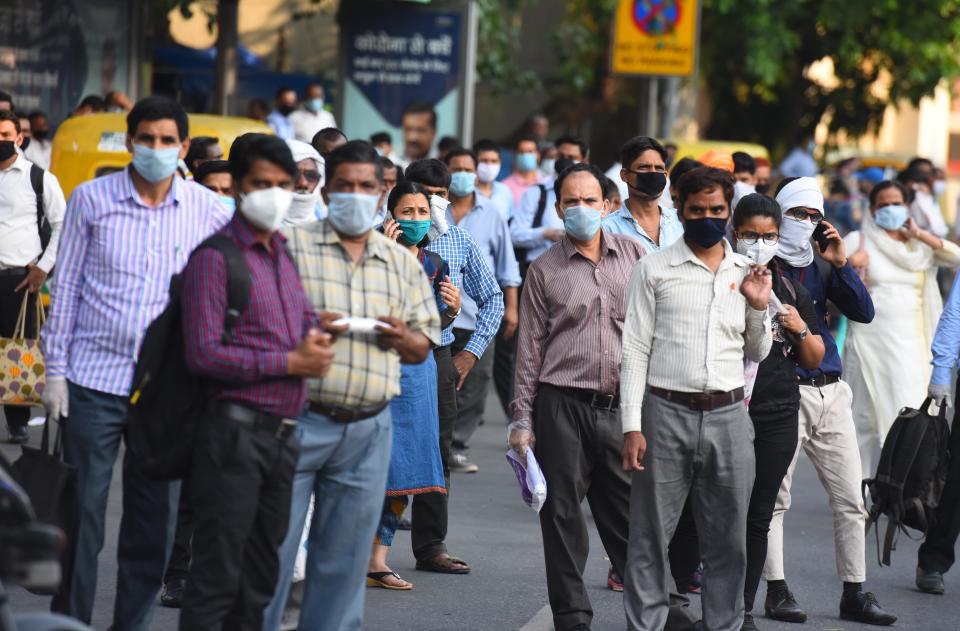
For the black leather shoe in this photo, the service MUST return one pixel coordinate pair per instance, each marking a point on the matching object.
(19, 435)
(864, 608)
(172, 594)
(783, 608)
(929, 582)
(748, 623)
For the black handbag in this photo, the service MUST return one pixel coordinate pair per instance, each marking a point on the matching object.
(51, 484)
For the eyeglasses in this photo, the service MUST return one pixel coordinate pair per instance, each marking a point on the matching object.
(802, 214)
(310, 176)
(750, 238)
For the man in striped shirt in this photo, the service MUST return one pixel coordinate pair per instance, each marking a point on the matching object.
(124, 236)
(567, 379)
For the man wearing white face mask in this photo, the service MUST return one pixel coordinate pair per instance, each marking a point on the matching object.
(311, 117)
(246, 451)
(125, 234)
(488, 169)
(566, 390)
(306, 204)
(826, 431)
(350, 271)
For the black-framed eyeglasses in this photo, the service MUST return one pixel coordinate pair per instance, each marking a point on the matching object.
(802, 214)
(310, 176)
(750, 238)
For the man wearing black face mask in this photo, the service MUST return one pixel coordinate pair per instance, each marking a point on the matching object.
(693, 411)
(40, 146)
(641, 217)
(279, 118)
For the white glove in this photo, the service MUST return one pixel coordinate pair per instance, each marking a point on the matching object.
(940, 393)
(56, 398)
(520, 438)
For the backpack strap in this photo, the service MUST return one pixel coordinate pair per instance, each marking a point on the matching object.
(788, 285)
(238, 280)
(541, 207)
(36, 181)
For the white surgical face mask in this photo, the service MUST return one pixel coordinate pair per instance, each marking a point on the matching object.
(488, 172)
(266, 208)
(939, 188)
(759, 252)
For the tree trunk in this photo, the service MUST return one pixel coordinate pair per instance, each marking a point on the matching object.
(226, 80)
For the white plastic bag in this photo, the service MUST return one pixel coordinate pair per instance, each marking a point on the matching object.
(533, 486)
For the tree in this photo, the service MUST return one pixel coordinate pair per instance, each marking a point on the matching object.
(755, 56)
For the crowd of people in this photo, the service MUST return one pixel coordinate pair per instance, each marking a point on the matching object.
(666, 340)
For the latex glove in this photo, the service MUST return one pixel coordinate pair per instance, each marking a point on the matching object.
(56, 398)
(940, 393)
(520, 438)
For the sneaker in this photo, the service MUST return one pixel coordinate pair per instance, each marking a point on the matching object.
(614, 581)
(460, 464)
(929, 582)
(864, 608)
(693, 584)
(19, 435)
(783, 607)
(748, 623)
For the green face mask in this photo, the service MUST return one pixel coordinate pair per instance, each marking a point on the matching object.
(414, 230)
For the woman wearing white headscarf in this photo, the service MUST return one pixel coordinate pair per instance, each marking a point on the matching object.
(888, 361)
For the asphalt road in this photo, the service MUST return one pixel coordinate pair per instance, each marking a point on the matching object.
(499, 536)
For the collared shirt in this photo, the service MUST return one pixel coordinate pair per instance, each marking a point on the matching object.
(113, 274)
(306, 124)
(521, 229)
(39, 152)
(386, 281)
(470, 272)
(571, 320)
(846, 291)
(252, 368)
(490, 232)
(687, 329)
(281, 125)
(946, 342)
(517, 184)
(19, 233)
(622, 222)
(502, 199)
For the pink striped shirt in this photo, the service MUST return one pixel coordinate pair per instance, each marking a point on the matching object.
(571, 320)
(113, 274)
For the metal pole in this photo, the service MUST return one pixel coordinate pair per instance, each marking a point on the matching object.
(653, 94)
(671, 101)
(226, 81)
(470, 75)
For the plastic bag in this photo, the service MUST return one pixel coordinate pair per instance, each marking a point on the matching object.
(533, 486)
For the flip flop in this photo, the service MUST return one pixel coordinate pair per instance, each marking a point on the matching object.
(443, 564)
(375, 579)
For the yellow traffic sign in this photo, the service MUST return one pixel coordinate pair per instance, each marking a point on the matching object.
(655, 37)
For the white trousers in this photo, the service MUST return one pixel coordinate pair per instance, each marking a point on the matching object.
(829, 438)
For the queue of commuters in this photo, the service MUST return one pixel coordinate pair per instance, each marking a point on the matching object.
(387, 292)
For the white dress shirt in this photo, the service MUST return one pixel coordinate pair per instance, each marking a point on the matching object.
(39, 152)
(19, 234)
(694, 323)
(306, 124)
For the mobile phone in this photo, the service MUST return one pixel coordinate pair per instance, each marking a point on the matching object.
(820, 238)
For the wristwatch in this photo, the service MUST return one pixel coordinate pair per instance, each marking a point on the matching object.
(803, 334)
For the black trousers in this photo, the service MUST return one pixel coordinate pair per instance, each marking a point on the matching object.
(504, 366)
(938, 551)
(242, 482)
(579, 449)
(429, 512)
(10, 303)
(179, 564)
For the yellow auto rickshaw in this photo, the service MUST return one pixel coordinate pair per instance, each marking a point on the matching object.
(698, 148)
(86, 147)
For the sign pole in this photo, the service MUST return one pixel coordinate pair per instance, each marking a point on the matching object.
(469, 74)
(653, 98)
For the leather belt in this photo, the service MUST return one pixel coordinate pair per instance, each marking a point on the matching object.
(280, 427)
(821, 381)
(703, 401)
(13, 271)
(594, 399)
(345, 415)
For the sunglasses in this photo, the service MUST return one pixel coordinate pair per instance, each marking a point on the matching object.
(310, 176)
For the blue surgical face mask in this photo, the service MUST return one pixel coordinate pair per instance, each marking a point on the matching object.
(315, 105)
(463, 183)
(228, 202)
(352, 213)
(582, 222)
(891, 217)
(526, 162)
(155, 165)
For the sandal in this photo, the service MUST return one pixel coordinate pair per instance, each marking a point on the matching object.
(443, 564)
(375, 579)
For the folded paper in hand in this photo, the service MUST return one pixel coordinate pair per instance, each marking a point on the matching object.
(533, 486)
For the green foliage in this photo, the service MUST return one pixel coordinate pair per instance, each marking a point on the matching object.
(582, 43)
(498, 47)
(755, 55)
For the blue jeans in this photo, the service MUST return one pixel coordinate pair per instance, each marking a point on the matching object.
(91, 443)
(345, 467)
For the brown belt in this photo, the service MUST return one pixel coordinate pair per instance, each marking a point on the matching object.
(345, 415)
(703, 401)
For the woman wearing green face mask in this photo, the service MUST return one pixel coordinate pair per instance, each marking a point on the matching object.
(415, 465)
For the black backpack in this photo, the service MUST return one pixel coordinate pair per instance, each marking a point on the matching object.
(910, 476)
(166, 399)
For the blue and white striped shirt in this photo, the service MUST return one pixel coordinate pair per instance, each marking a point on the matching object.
(469, 271)
(113, 274)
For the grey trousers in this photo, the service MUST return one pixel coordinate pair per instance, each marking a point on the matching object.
(708, 455)
(472, 396)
